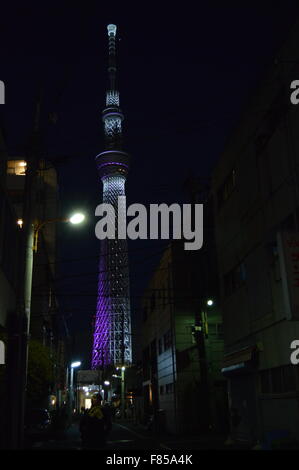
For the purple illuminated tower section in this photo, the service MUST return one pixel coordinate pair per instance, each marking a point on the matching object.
(112, 327)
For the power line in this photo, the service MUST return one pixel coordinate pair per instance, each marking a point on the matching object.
(167, 242)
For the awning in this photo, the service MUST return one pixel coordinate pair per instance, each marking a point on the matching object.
(239, 359)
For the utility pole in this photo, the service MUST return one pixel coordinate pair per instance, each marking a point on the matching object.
(123, 392)
(123, 368)
(71, 404)
(199, 333)
(32, 159)
(197, 189)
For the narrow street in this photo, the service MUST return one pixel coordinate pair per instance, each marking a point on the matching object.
(126, 436)
(121, 438)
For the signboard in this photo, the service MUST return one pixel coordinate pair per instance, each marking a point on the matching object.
(89, 376)
(288, 251)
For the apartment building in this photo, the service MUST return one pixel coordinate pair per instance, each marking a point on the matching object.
(182, 345)
(255, 190)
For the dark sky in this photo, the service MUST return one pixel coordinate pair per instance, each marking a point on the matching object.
(185, 74)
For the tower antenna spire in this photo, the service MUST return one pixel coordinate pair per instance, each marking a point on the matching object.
(112, 95)
(112, 55)
(112, 115)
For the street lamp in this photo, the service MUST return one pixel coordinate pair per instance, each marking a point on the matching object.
(107, 390)
(210, 303)
(123, 392)
(31, 241)
(73, 366)
(122, 396)
(74, 219)
(76, 364)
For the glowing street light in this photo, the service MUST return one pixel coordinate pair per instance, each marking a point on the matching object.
(32, 229)
(210, 302)
(75, 364)
(123, 392)
(77, 218)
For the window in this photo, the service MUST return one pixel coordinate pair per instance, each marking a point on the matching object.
(164, 296)
(220, 330)
(288, 377)
(234, 279)
(227, 188)
(215, 330)
(153, 301)
(265, 381)
(169, 388)
(167, 340)
(275, 261)
(271, 120)
(145, 313)
(10, 244)
(153, 349)
(16, 167)
(278, 380)
(161, 389)
(146, 363)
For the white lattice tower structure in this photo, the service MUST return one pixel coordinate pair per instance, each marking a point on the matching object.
(112, 325)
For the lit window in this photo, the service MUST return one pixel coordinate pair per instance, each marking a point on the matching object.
(16, 167)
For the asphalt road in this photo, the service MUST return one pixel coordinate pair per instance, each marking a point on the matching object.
(120, 438)
(125, 436)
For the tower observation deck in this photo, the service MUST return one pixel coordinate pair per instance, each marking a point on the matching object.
(112, 325)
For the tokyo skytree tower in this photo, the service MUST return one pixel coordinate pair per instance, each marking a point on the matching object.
(112, 327)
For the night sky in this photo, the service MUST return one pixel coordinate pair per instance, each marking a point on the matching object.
(185, 74)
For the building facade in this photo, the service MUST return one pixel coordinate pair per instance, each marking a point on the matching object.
(10, 244)
(255, 188)
(47, 330)
(182, 346)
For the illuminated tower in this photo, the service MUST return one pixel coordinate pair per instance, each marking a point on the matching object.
(112, 328)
